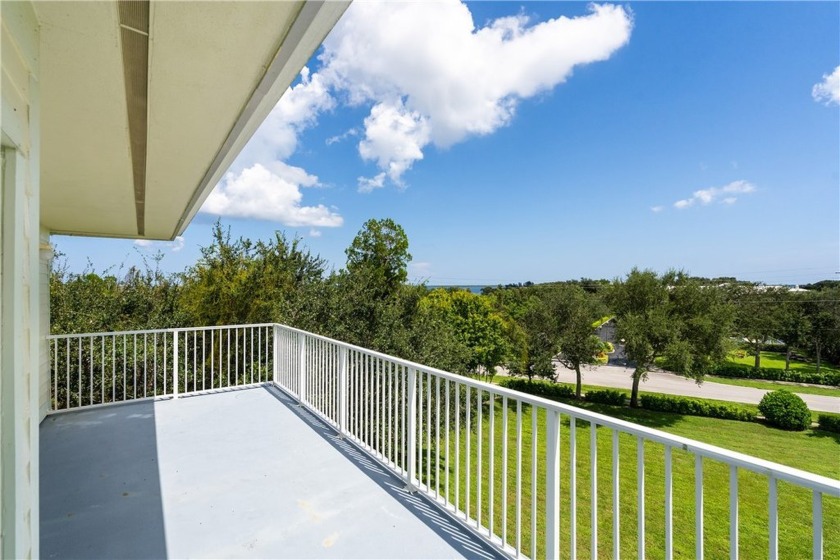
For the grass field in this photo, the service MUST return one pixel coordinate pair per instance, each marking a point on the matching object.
(814, 451)
(776, 360)
(775, 385)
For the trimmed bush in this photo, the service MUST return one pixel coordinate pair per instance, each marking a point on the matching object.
(540, 388)
(606, 396)
(785, 410)
(695, 407)
(830, 423)
(771, 374)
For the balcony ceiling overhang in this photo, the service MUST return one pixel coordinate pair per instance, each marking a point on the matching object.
(144, 105)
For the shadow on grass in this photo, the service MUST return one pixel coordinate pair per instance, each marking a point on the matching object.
(649, 418)
(816, 433)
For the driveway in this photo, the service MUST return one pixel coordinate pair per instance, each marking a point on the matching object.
(672, 384)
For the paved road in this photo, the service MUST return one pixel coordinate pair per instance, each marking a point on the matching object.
(665, 382)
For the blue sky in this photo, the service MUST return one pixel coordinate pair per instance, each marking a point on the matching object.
(702, 136)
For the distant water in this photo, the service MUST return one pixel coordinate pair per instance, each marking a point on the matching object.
(473, 289)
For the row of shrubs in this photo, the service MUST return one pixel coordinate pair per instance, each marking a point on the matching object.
(781, 409)
(772, 374)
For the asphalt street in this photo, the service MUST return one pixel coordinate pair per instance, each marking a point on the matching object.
(672, 384)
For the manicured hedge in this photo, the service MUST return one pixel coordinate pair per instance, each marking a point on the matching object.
(606, 396)
(830, 423)
(785, 410)
(771, 374)
(695, 407)
(540, 387)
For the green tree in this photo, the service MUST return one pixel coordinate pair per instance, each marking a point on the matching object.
(379, 254)
(533, 340)
(823, 312)
(576, 311)
(794, 327)
(758, 316)
(671, 317)
(476, 324)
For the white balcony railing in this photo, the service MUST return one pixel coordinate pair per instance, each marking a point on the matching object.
(506, 464)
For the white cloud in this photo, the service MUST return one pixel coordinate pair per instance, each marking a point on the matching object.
(174, 246)
(394, 139)
(430, 76)
(314, 232)
(705, 197)
(370, 184)
(828, 90)
(263, 194)
(341, 137)
(433, 77)
(657, 209)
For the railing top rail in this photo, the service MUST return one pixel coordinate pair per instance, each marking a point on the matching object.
(760, 466)
(158, 331)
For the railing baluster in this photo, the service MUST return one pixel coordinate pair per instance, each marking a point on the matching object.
(534, 498)
(412, 428)
(446, 437)
(145, 366)
(505, 431)
(492, 480)
(698, 507)
(102, 372)
(593, 493)
(175, 365)
(773, 507)
(572, 487)
(429, 431)
(733, 512)
(518, 508)
(479, 398)
(467, 434)
(437, 436)
(615, 493)
(457, 446)
(669, 506)
(817, 525)
(640, 490)
(342, 391)
(552, 485)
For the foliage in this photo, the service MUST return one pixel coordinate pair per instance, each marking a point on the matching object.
(759, 315)
(379, 254)
(540, 388)
(785, 410)
(238, 281)
(478, 327)
(533, 339)
(607, 396)
(670, 316)
(93, 302)
(830, 422)
(695, 407)
(795, 376)
(576, 311)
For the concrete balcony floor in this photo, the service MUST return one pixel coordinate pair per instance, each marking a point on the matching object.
(237, 474)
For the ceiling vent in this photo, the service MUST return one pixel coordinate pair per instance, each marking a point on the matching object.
(134, 35)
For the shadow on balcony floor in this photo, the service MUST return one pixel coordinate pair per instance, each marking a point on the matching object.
(242, 473)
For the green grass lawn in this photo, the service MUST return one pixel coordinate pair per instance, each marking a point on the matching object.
(775, 385)
(776, 360)
(814, 451)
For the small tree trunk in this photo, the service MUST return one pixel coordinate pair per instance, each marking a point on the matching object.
(819, 356)
(579, 381)
(757, 355)
(787, 359)
(634, 395)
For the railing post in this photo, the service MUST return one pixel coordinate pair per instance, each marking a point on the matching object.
(175, 363)
(552, 485)
(342, 391)
(411, 435)
(302, 345)
(275, 349)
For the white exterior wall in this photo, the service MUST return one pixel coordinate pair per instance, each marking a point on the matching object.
(20, 293)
